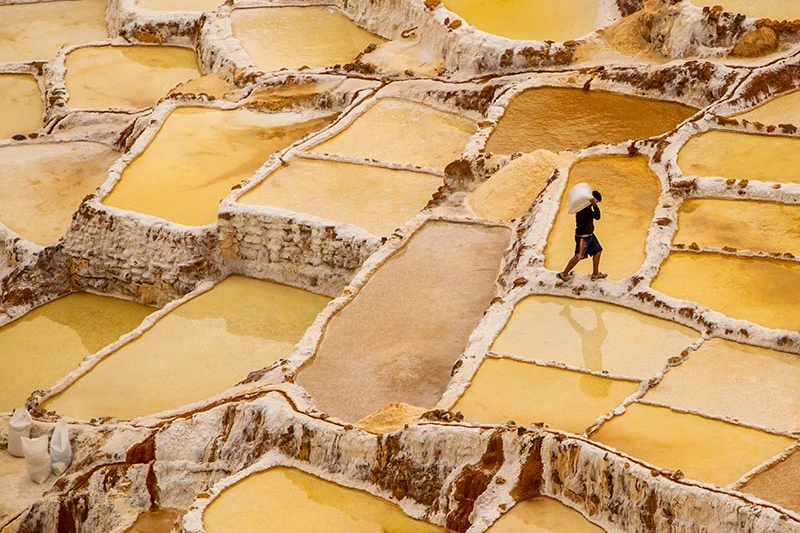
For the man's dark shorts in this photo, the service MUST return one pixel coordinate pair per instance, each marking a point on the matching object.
(587, 246)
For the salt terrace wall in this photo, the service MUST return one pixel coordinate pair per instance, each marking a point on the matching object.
(447, 473)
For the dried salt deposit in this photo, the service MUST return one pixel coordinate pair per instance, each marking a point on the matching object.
(440, 369)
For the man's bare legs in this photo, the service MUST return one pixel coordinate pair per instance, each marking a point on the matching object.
(596, 262)
(570, 265)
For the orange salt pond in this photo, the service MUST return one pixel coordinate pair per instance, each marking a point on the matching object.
(285, 499)
(295, 37)
(543, 515)
(703, 449)
(771, 9)
(37, 31)
(592, 335)
(753, 385)
(203, 347)
(630, 196)
(375, 199)
(398, 338)
(42, 185)
(98, 77)
(41, 347)
(764, 291)
(186, 170)
(505, 389)
(557, 118)
(741, 156)
(20, 103)
(778, 484)
(743, 225)
(783, 109)
(531, 19)
(401, 131)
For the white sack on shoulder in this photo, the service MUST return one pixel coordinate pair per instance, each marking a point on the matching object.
(37, 460)
(19, 427)
(60, 448)
(579, 196)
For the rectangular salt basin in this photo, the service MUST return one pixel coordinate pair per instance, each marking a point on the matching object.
(764, 291)
(189, 167)
(558, 118)
(703, 449)
(531, 19)
(741, 156)
(179, 5)
(627, 210)
(592, 335)
(505, 389)
(743, 225)
(99, 77)
(771, 9)
(37, 31)
(782, 109)
(725, 379)
(199, 349)
(299, 37)
(778, 484)
(44, 345)
(375, 199)
(543, 515)
(20, 104)
(42, 185)
(405, 132)
(289, 500)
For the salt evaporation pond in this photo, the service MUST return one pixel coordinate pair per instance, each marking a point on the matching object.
(98, 77)
(179, 5)
(777, 483)
(375, 199)
(764, 291)
(591, 335)
(771, 9)
(630, 196)
(44, 345)
(405, 132)
(240, 325)
(531, 19)
(744, 225)
(703, 449)
(42, 185)
(21, 105)
(559, 118)
(291, 500)
(543, 515)
(399, 337)
(295, 37)
(735, 381)
(783, 109)
(741, 156)
(185, 171)
(37, 31)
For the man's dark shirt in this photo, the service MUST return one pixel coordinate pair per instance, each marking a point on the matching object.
(584, 219)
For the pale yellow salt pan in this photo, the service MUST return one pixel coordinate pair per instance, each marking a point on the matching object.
(187, 169)
(295, 37)
(783, 109)
(179, 5)
(703, 449)
(20, 104)
(764, 291)
(99, 77)
(592, 335)
(510, 191)
(42, 185)
(531, 19)
(291, 500)
(41, 347)
(630, 193)
(735, 155)
(744, 225)
(401, 131)
(557, 118)
(726, 379)
(543, 515)
(198, 350)
(31, 31)
(375, 199)
(394, 416)
(505, 389)
(778, 484)
(772, 9)
(399, 337)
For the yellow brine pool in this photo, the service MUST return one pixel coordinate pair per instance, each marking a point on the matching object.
(20, 104)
